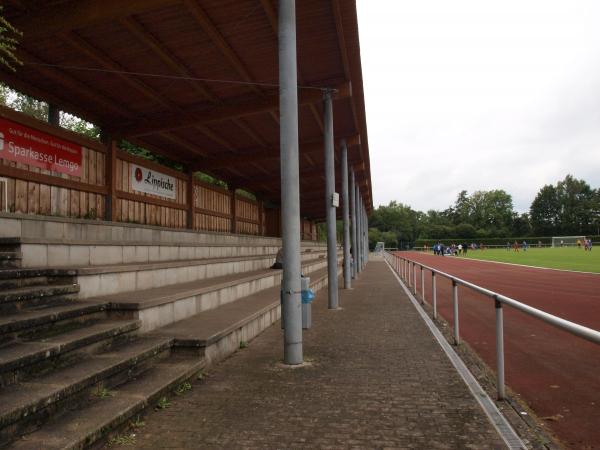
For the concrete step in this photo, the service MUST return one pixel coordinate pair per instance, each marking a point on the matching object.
(26, 406)
(19, 277)
(43, 321)
(18, 359)
(220, 331)
(158, 307)
(36, 252)
(20, 298)
(116, 278)
(44, 227)
(82, 428)
(10, 259)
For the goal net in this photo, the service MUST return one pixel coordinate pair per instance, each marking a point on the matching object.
(567, 241)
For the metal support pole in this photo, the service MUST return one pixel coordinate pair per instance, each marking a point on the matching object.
(499, 350)
(353, 215)
(362, 235)
(366, 236)
(408, 274)
(358, 230)
(455, 303)
(414, 268)
(290, 186)
(422, 285)
(332, 284)
(346, 217)
(53, 115)
(433, 295)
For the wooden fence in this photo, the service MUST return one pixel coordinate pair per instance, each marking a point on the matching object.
(105, 190)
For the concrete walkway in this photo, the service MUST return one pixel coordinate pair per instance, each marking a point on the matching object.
(377, 379)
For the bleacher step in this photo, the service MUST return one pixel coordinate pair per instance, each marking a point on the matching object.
(81, 428)
(208, 327)
(17, 354)
(16, 277)
(18, 298)
(47, 316)
(40, 397)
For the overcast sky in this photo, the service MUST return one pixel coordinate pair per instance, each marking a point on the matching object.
(479, 95)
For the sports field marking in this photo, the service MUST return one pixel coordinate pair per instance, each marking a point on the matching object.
(525, 265)
(566, 258)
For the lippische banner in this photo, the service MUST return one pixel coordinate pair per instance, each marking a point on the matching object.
(152, 182)
(32, 147)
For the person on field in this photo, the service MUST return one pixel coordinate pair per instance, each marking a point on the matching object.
(579, 243)
(507, 246)
(516, 247)
(465, 248)
(524, 246)
(460, 249)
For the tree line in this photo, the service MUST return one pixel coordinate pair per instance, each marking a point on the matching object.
(570, 207)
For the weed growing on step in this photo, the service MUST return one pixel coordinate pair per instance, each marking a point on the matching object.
(183, 388)
(122, 439)
(200, 376)
(163, 403)
(243, 344)
(137, 423)
(103, 393)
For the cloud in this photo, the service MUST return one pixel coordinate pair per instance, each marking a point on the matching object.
(479, 95)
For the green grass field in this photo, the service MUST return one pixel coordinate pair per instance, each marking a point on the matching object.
(568, 258)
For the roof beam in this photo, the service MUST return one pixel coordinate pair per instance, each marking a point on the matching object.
(225, 111)
(168, 59)
(57, 18)
(307, 175)
(229, 53)
(219, 41)
(256, 155)
(247, 156)
(74, 84)
(104, 61)
(19, 85)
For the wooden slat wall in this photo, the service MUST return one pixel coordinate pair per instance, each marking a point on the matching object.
(212, 208)
(309, 230)
(32, 197)
(272, 222)
(31, 190)
(246, 216)
(148, 209)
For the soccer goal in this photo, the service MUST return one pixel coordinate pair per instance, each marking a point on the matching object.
(567, 241)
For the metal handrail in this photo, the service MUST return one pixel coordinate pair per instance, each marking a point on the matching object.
(402, 266)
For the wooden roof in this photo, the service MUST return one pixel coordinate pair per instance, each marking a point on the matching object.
(196, 80)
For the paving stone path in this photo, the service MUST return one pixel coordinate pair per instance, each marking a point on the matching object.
(377, 379)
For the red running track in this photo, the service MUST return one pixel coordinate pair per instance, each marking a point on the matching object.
(556, 373)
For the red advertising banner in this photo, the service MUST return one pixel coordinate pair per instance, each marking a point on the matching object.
(30, 146)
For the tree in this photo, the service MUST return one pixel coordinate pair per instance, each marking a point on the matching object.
(544, 212)
(521, 225)
(402, 220)
(465, 230)
(462, 210)
(491, 209)
(576, 199)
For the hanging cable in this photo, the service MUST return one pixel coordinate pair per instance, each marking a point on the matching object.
(169, 77)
